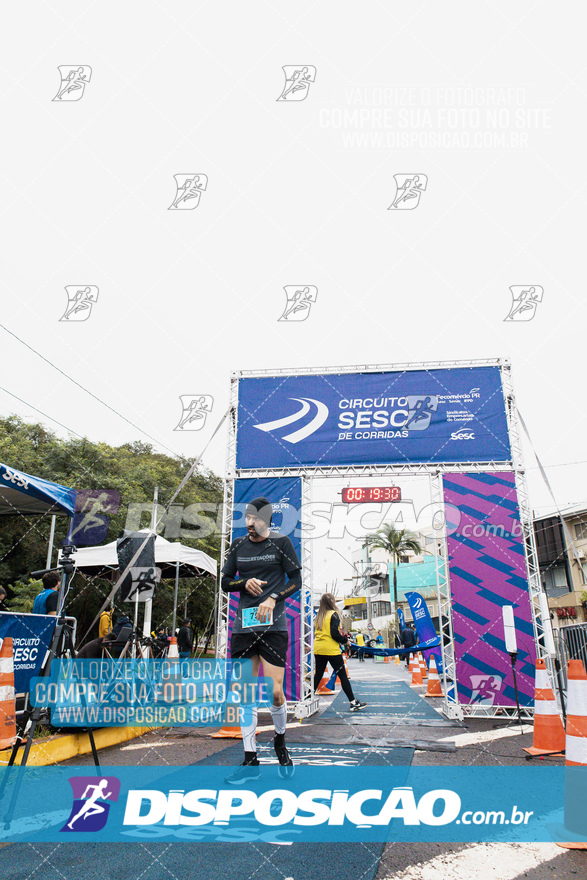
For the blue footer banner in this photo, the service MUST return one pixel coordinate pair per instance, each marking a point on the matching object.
(365, 803)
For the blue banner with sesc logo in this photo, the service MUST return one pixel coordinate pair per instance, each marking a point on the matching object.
(437, 415)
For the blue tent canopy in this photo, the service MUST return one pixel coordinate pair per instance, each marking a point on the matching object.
(24, 494)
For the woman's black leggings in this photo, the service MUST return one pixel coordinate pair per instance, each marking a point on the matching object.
(337, 664)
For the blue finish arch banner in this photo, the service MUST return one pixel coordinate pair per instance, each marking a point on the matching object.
(439, 415)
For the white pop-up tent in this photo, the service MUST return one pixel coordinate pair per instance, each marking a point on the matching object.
(173, 558)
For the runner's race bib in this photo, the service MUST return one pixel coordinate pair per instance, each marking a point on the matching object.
(250, 618)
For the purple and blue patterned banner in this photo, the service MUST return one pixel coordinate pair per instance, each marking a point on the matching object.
(487, 570)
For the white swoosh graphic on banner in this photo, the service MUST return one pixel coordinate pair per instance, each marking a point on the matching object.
(317, 421)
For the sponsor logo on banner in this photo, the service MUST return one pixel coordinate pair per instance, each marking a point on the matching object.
(299, 302)
(298, 80)
(462, 435)
(12, 476)
(525, 301)
(188, 189)
(74, 79)
(409, 191)
(320, 415)
(485, 688)
(79, 302)
(91, 796)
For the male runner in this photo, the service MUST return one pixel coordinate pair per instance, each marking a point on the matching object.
(257, 566)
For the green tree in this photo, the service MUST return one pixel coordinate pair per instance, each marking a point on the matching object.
(133, 470)
(396, 542)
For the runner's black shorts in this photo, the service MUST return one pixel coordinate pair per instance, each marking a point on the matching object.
(270, 646)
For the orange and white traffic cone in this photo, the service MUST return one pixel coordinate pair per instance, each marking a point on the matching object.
(423, 667)
(434, 686)
(396, 660)
(576, 734)
(549, 733)
(346, 667)
(227, 733)
(323, 690)
(417, 679)
(7, 698)
(172, 651)
(576, 755)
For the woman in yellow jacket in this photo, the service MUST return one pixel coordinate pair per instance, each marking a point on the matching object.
(327, 642)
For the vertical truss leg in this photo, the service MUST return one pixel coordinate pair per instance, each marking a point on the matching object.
(451, 707)
(308, 702)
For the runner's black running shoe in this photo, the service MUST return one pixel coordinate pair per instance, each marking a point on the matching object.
(248, 771)
(286, 765)
(356, 704)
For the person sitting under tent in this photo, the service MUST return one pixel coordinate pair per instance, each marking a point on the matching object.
(93, 650)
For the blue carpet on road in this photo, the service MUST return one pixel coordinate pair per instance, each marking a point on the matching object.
(390, 702)
(181, 860)
(319, 754)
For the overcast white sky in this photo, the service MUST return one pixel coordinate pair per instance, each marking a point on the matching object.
(294, 197)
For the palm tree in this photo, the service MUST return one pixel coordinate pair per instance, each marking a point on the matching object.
(395, 542)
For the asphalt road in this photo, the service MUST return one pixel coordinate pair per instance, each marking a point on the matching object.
(474, 743)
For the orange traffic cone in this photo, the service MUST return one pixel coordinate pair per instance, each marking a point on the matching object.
(576, 755)
(386, 658)
(576, 738)
(227, 733)
(323, 690)
(549, 733)
(423, 667)
(434, 686)
(172, 651)
(396, 660)
(416, 674)
(346, 667)
(7, 706)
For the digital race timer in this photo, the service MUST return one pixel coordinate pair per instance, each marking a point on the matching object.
(378, 493)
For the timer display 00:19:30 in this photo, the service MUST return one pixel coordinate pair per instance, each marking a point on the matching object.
(373, 493)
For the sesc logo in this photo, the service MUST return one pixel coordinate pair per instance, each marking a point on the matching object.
(462, 435)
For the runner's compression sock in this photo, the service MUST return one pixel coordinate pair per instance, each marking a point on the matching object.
(279, 715)
(249, 730)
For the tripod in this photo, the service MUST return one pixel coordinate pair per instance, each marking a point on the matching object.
(61, 642)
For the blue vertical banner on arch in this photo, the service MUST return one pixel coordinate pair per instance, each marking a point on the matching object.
(285, 495)
(424, 626)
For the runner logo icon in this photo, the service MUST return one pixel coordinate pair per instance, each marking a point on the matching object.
(188, 190)
(74, 80)
(312, 426)
(485, 688)
(90, 802)
(299, 302)
(525, 301)
(420, 409)
(195, 408)
(409, 190)
(79, 302)
(298, 80)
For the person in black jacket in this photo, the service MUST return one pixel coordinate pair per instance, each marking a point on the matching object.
(263, 567)
(409, 640)
(185, 639)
